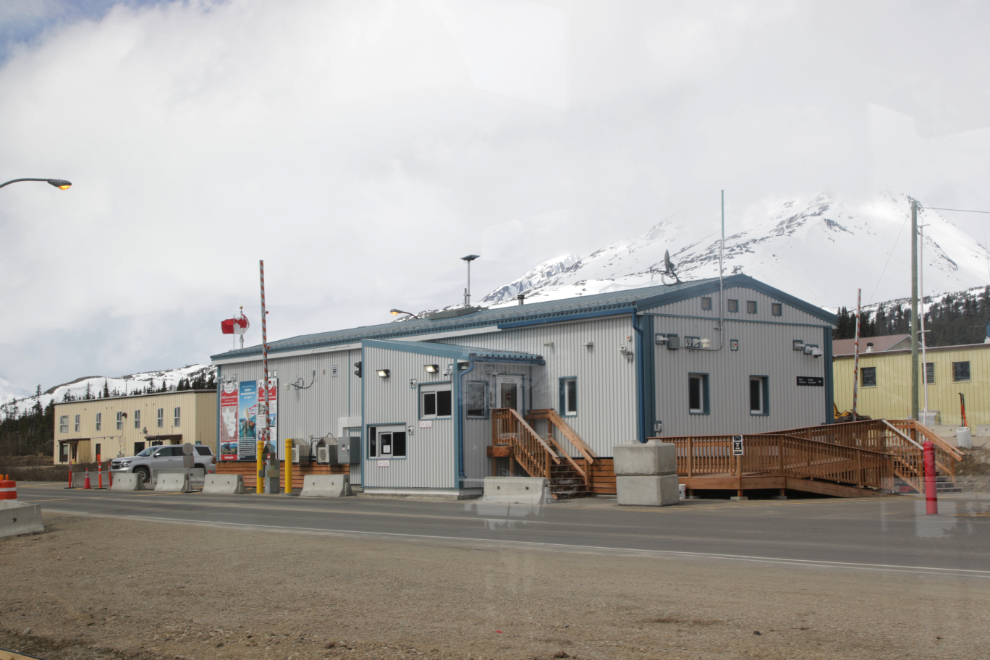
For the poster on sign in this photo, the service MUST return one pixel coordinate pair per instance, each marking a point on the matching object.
(247, 411)
(229, 394)
(272, 410)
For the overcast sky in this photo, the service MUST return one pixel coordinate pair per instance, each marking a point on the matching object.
(360, 148)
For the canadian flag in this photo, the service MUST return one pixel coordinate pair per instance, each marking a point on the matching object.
(235, 326)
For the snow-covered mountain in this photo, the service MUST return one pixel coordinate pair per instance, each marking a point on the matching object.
(820, 249)
(117, 386)
(10, 391)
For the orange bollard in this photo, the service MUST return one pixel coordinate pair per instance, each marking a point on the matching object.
(99, 476)
(8, 490)
(70, 477)
(86, 482)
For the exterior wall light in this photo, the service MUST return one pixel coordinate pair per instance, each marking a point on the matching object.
(432, 368)
(382, 373)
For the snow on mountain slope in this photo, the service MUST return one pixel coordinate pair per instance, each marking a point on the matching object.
(10, 391)
(118, 386)
(820, 249)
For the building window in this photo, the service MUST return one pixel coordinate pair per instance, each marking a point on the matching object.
(63, 424)
(178, 416)
(161, 418)
(759, 400)
(960, 373)
(475, 398)
(776, 309)
(568, 396)
(120, 421)
(99, 421)
(706, 303)
(386, 442)
(77, 422)
(929, 372)
(435, 402)
(733, 305)
(751, 307)
(137, 419)
(869, 376)
(698, 403)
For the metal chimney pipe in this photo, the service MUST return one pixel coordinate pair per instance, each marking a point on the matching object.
(467, 291)
(522, 296)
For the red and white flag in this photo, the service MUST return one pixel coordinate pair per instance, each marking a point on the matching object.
(235, 326)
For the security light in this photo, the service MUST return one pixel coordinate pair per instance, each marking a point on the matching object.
(432, 368)
(61, 184)
(382, 373)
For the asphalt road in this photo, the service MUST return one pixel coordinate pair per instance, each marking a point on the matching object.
(872, 534)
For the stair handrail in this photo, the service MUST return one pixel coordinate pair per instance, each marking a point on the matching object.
(574, 438)
(561, 452)
(898, 432)
(931, 435)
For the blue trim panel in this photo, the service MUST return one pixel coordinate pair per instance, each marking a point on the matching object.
(649, 374)
(827, 364)
(641, 432)
(567, 317)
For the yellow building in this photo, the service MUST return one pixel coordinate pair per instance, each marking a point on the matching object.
(885, 383)
(101, 429)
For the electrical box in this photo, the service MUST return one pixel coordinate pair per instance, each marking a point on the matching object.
(673, 342)
(349, 451)
(323, 452)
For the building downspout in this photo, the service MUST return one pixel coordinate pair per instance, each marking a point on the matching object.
(459, 424)
(640, 402)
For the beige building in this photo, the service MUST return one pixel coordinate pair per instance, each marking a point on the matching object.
(101, 429)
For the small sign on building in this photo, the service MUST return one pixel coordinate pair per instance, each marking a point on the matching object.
(383, 463)
(737, 445)
(811, 381)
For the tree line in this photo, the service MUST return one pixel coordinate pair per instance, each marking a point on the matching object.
(957, 318)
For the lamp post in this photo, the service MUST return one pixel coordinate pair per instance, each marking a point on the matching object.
(61, 184)
(396, 312)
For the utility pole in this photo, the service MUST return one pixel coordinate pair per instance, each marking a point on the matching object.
(915, 375)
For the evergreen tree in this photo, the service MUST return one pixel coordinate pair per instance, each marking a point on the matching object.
(89, 392)
(106, 389)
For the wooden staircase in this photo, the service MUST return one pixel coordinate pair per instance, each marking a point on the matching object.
(515, 438)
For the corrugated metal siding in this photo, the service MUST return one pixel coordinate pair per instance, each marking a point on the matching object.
(891, 398)
(430, 453)
(764, 350)
(606, 380)
(692, 307)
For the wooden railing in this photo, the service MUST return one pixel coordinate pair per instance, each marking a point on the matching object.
(946, 456)
(556, 422)
(532, 452)
(783, 455)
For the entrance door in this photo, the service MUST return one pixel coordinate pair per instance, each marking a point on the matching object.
(355, 469)
(509, 391)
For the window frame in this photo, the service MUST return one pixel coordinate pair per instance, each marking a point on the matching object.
(137, 419)
(969, 372)
(63, 423)
(705, 394)
(752, 303)
(776, 309)
(730, 303)
(484, 398)
(929, 373)
(177, 416)
(764, 408)
(426, 389)
(120, 421)
(862, 376)
(706, 300)
(99, 421)
(375, 434)
(563, 409)
(161, 418)
(77, 424)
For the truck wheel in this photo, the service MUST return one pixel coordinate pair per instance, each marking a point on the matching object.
(144, 475)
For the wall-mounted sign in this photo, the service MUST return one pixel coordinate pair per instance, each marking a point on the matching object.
(426, 423)
(811, 381)
(333, 371)
(383, 463)
(737, 445)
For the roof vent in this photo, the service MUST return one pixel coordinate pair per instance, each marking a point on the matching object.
(869, 347)
(522, 296)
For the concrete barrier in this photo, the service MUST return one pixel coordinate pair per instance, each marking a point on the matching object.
(651, 458)
(19, 518)
(173, 483)
(515, 490)
(223, 484)
(648, 491)
(326, 485)
(126, 481)
(196, 475)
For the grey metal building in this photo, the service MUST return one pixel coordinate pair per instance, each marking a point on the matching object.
(617, 367)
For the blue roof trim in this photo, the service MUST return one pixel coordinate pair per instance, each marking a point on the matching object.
(613, 303)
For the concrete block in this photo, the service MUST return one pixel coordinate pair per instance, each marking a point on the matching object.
(173, 483)
(652, 458)
(515, 490)
(196, 475)
(326, 485)
(126, 481)
(223, 484)
(647, 491)
(19, 518)
(271, 484)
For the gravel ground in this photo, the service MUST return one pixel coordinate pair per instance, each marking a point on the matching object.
(113, 588)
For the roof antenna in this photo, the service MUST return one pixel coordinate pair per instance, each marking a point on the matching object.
(467, 291)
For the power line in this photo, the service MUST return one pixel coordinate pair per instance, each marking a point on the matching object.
(935, 208)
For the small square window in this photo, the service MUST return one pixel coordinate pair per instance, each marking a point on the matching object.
(776, 309)
(751, 307)
(698, 403)
(960, 371)
(706, 303)
(435, 402)
(63, 424)
(733, 305)
(568, 396)
(869, 376)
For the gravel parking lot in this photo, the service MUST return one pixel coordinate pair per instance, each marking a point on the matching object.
(114, 588)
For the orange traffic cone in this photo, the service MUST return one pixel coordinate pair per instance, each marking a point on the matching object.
(86, 483)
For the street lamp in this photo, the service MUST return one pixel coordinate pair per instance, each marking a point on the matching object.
(61, 184)
(396, 312)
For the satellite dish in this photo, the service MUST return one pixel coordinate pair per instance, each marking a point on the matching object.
(668, 269)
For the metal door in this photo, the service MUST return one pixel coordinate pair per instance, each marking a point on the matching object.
(355, 468)
(509, 390)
